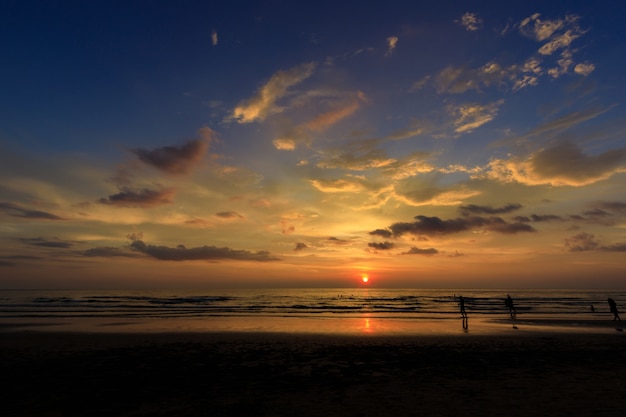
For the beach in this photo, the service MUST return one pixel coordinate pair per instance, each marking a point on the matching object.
(112, 371)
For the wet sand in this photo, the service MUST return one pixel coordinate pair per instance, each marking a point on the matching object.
(239, 373)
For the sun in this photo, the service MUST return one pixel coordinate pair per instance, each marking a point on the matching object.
(365, 278)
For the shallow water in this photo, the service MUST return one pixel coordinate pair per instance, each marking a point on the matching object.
(334, 311)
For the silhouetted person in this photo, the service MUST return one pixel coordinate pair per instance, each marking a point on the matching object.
(462, 306)
(593, 309)
(613, 308)
(509, 303)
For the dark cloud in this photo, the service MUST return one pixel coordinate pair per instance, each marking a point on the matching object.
(566, 163)
(537, 218)
(614, 206)
(381, 245)
(15, 210)
(474, 209)
(108, 252)
(582, 242)
(434, 226)
(135, 236)
(140, 198)
(336, 241)
(176, 160)
(300, 246)
(620, 247)
(417, 251)
(381, 232)
(47, 243)
(229, 215)
(209, 253)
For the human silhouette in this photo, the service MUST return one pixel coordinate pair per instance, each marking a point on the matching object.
(462, 306)
(613, 308)
(509, 303)
(593, 309)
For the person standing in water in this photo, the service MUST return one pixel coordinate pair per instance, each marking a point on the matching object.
(509, 303)
(613, 307)
(462, 306)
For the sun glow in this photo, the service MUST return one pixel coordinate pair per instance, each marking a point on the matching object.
(365, 278)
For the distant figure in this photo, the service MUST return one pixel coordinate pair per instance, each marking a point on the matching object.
(593, 310)
(462, 305)
(613, 308)
(509, 303)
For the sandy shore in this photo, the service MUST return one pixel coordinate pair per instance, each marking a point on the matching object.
(52, 373)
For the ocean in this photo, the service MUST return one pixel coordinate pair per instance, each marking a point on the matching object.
(327, 303)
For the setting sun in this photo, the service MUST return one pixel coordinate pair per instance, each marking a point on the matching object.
(365, 278)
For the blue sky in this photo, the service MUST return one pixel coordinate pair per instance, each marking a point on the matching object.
(298, 144)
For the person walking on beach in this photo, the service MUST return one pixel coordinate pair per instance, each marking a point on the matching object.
(613, 308)
(509, 303)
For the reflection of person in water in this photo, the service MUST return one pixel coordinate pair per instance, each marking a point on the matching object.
(509, 303)
(613, 307)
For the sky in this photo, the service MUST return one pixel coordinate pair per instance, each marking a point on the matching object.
(198, 144)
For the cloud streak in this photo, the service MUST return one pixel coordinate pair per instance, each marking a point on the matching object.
(142, 198)
(264, 103)
(15, 210)
(203, 253)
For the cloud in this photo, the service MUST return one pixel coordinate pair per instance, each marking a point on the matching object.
(214, 38)
(108, 252)
(47, 243)
(338, 186)
(16, 210)
(420, 195)
(329, 118)
(392, 42)
(300, 246)
(470, 21)
(564, 164)
(417, 251)
(472, 116)
(381, 245)
(538, 218)
(619, 247)
(357, 156)
(434, 226)
(582, 242)
(229, 215)
(341, 104)
(584, 68)
(177, 160)
(144, 198)
(263, 103)
(204, 253)
(474, 209)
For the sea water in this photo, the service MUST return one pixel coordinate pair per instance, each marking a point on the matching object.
(318, 302)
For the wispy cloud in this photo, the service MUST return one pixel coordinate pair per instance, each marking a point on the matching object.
(472, 115)
(142, 198)
(392, 43)
(109, 252)
(214, 38)
(54, 242)
(15, 210)
(264, 103)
